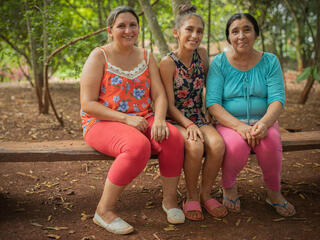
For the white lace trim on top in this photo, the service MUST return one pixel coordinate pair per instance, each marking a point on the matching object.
(137, 71)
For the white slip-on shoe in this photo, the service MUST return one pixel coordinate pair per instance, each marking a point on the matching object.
(117, 226)
(174, 215)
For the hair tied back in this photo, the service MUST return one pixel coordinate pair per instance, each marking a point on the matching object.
(186, 9)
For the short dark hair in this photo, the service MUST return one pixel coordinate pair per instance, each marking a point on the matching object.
(118, 10)
(238, 16)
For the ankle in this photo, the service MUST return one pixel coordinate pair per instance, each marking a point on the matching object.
(170, 202)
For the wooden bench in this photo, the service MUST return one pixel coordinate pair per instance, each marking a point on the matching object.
(78, 150)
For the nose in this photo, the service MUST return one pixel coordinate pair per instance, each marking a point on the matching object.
(241, 34)
(194, 34)
(127, 29)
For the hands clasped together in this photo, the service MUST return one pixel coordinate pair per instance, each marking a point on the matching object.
(159, 130)
(253, 134)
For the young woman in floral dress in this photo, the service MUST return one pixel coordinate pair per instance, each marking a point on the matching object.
(183, 73)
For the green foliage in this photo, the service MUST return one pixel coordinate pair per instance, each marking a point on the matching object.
(69, 19)
(304, 75)
(307, 72)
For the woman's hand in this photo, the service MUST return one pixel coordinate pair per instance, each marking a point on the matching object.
(259, 130)
(137, 122)
(193, 132)
(159, 130)
(245, 131)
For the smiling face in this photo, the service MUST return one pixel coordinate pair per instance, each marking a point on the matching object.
(242, 35)
(125, 29)
(190, 33)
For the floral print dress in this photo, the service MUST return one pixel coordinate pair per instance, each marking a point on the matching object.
(124, 91)
(188, 86)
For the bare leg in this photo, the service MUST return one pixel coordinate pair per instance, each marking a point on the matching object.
(107, 203)
(214, 148)
(169, 188)
(192, 166)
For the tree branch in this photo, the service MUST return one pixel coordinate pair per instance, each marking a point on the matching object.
(16, 49)
(47, 62)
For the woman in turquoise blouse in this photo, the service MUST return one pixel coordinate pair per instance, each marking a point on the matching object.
(245, 94)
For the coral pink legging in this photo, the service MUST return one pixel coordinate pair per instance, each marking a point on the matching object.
(268, 152)
(133, 148)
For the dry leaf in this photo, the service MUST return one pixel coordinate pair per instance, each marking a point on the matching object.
(302, 196)
(85, 216)
(149, 204)
(36, 224)
(302, 183)
(170, 228)
(278, 219)
(156, 236)
(53, 236)
(27, 175)
(238, 222)
(54, 228)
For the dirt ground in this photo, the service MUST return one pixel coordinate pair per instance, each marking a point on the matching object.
(57, 200)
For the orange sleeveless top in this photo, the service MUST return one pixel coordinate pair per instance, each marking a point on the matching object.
(124, 91)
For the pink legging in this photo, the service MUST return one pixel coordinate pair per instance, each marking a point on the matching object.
(268, 152)
(133, 148)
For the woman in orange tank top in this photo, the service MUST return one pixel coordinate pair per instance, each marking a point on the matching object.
(119, 82)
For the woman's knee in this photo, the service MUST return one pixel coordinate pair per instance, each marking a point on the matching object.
(139, 148)
(215, 145)
(194, 149)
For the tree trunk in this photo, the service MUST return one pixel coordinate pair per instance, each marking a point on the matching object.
(298, 33)
(154, 27)
(175, 6)
(45, 109)
(100, 9)
(38, 80)
(305, 93)
(316, 61)
(131, 3)
(209, 27)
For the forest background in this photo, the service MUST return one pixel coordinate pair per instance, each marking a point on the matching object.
(43, 46)
(43, 40)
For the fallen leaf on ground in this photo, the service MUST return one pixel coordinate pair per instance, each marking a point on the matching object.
(85, 216)
(156, 236)
(238, 222)
(278, 219)
(27, 175)
(170, 228)
(36, 224)
(149, 204)
(53, 236)
(54, 228)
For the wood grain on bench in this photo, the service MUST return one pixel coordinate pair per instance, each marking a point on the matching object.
(78, 150)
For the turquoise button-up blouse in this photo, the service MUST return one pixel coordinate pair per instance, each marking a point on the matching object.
(245, 94)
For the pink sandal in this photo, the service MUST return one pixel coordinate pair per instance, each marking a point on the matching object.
(192, 206)
(211, 204)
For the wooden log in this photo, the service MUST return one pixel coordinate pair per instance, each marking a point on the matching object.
(78, 150)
